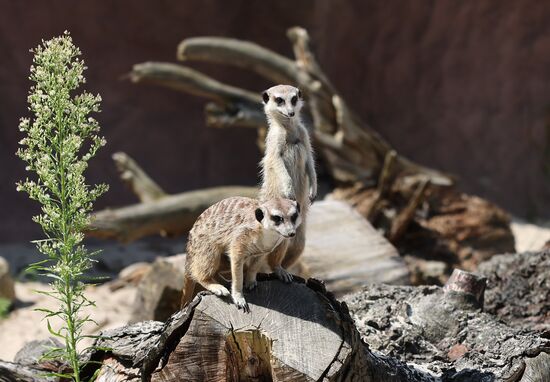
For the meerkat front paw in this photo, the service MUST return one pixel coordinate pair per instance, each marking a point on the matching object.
(283, 275)
(241, 303)
(219, 290)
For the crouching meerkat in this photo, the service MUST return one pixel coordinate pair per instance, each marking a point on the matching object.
(288, 165)
(245, 230)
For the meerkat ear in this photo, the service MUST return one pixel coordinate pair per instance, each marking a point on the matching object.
(299, 94)
(259, 214)
(265, 96)
(298, 207)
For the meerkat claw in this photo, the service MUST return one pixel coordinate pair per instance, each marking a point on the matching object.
(283, 275)
(251, 285)
(241, 303)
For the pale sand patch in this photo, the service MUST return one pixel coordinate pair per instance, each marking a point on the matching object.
(530, 237)
(25, 324)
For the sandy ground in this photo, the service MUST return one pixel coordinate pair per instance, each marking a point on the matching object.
(25, 323)
(530, 237)
(114, 307)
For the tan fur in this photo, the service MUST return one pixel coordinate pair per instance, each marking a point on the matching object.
(231, 226)
(288, 166)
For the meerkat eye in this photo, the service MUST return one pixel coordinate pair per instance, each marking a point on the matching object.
(279, 101)
(294, 217)
(277, 219)
(293, 100)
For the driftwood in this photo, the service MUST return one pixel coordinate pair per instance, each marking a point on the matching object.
(169, 215)
(403, 199)
(459, 229)
(351, 149)
(159, 213)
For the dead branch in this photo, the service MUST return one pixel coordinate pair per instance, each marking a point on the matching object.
(170, 215)
(136, 179)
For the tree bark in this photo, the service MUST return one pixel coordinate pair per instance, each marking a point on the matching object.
(446, 331)
(299, 332)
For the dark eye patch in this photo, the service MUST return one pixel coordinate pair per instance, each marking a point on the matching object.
(277, 219)
(294, 217)
(293, 100)
(279, 100)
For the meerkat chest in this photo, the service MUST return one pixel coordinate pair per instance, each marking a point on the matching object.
(266, 242)
(294, 154)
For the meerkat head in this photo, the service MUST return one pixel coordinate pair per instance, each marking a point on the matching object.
(282, 102)
(280, 215)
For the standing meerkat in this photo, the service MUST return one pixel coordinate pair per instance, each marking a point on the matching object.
(288, 165)
(246, 230)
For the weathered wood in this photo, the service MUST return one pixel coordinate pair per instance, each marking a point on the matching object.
(343, 249)
(468, 283)
(518, 289)
(170, 215)
(351, 149)
(145, 188)
(401, 222)
(299, 332)
(14, 372)
(446, 332)
(28, 365)
(294, 332)
(455, 228)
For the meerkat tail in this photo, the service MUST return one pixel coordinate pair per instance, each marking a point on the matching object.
(188, 290)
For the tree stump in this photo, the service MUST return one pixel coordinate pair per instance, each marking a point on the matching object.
(299, 332)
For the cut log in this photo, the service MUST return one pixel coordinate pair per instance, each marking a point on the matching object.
(294, 332)
(170, 215)
(299, 332)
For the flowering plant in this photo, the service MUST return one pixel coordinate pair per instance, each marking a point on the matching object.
(60, 139)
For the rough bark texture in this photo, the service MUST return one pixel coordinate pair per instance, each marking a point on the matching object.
(447, 333)
(299, 332)
(518, 289)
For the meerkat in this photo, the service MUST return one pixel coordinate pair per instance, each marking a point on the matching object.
(288, 165)
(245, 230)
